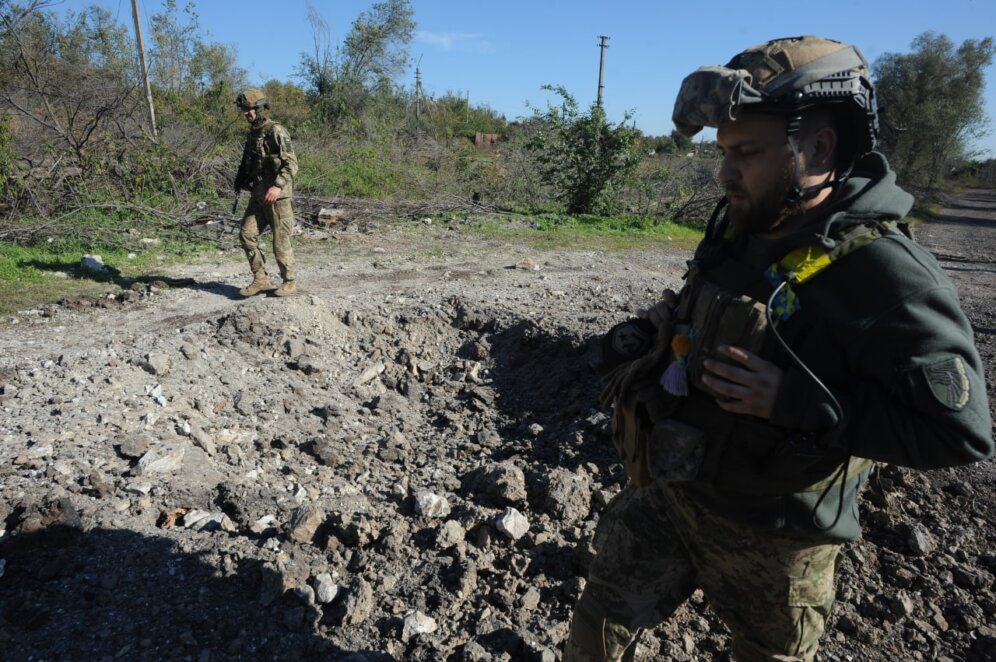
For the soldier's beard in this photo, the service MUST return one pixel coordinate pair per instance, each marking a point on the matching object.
(766, 211)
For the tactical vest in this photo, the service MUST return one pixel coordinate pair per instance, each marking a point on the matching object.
(666, 425)
(260, 158)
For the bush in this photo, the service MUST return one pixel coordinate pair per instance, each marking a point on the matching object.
(581, 155)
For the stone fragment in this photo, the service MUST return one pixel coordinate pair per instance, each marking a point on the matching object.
(325, 588)
(568, 494)
(359, 602)
(156, 363)
(512, 523)
(450, 534)
(267, 524)
(161, 459)
(527, 264)
(294, 348)
(303, 523)
(135, 446)
(202, 520)
(505, 483)
(93, 264)
(309, 365)
(369, 374)
(51, 512)
(429, 504)
(202, 439)
(920, 541)
(416, 623)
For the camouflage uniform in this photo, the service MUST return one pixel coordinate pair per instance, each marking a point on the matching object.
(877, 364)
(268, 159)
(655, 545)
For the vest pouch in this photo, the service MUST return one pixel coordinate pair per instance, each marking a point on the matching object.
(675, 451)
(720, 317)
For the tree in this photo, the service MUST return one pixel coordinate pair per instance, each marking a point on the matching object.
(581, 155)
(183, 62)
(70, 81)
(932, 106)
(343, 80)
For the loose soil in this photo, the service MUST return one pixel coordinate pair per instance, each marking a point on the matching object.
(406, 461)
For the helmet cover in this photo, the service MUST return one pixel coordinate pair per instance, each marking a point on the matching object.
(781, 76)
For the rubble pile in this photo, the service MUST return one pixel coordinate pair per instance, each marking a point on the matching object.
(399, 476)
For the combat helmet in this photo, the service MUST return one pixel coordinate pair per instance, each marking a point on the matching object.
(252, 98)
(785, 76)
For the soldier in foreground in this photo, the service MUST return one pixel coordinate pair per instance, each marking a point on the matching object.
(812, 338)
(267, 172)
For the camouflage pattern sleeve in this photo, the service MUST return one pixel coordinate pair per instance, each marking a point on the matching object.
(287, 169)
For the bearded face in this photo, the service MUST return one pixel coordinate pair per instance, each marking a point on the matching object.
(757, 172)
(762, 210)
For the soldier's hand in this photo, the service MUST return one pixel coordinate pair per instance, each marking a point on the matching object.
(272, 194)
(662, 311)
(748, 384)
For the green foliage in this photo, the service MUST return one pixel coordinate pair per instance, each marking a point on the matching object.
(357, 172)
(682, 143)
(344, 79)
(180, 60)
(932, 105)
(619, 232)
(9, 184)
(581, 155)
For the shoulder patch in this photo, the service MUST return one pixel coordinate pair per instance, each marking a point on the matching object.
(948, 382)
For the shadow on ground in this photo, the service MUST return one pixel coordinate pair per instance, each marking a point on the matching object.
(146, 599)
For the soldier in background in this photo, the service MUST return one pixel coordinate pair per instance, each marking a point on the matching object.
(267, 171)
(812, 337)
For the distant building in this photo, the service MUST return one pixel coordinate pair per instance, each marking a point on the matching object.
(485, 138)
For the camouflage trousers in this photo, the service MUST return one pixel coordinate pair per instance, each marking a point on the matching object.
(280, 218)
(654, 546)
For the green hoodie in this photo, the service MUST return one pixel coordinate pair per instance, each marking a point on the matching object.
(881, 327)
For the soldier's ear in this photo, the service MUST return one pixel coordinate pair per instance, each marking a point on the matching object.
(823, 148)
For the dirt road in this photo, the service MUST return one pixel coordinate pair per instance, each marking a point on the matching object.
(398, 464)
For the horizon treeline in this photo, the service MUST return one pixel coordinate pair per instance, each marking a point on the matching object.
(76, 140)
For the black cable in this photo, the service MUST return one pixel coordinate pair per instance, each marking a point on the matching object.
(838, 411)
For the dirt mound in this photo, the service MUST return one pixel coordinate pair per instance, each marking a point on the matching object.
(406, 463)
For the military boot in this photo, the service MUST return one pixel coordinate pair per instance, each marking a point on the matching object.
(258, 284)
(288, 288)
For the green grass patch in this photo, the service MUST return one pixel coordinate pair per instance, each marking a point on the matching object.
(33, 275)
(587, 231)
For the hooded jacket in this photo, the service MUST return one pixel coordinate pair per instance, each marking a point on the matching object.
(882, 329)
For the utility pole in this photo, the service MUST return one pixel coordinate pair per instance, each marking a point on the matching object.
(418, 99)
(601, 68)
(145, 68)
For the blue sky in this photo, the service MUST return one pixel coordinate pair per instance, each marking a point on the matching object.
(502, 53)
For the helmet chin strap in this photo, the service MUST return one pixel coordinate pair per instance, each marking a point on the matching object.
(797, 193)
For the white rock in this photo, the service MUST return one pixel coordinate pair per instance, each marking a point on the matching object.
(417, 623)
(431, 504)
(513, 523)
(162, 459)
(264, 524)
(201, 520)
(93, 263)
(370, 373)
(325, 588)
(142, 487)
